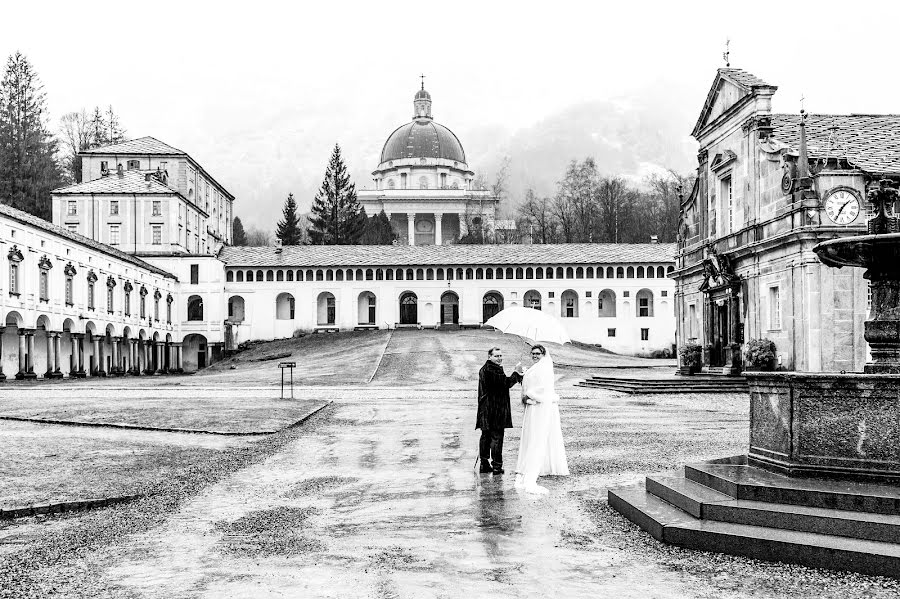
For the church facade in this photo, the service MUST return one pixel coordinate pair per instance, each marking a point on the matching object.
(136, 274)
(769, 188)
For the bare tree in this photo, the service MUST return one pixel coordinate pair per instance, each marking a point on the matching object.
(540, 218)
(258, 237)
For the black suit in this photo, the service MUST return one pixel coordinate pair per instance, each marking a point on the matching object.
(494, 414)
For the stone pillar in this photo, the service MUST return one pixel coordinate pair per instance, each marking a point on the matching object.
(96, 364)
(2, 376)
(22, 350)
(148, 366)
(50, 351)
(463, 227)
(159, 369)
(57, 351)
(116, 367)
(438, 232)
(411, 227)
(77, 355)
(179, 365)
(29, 357)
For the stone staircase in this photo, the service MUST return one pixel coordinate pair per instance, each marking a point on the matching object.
(731, 507)
(675, 384)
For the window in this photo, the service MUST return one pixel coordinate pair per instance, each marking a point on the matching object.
(195, 308)
(14, 278)
(104, 166)
(157, 208)
(728, 198)
(774, 308)
(643, 306)
(114, 207)
(645, 334)
(156, 297)
(72, 208)
(169, 300)
(692, 318)
(134, 164)
(610, 332)
(664, 293)
(110, 299)
(157, 235)
(91, 279)
(113, 234)
(70, 283)
(143, 304)
(127, 300)
(195, 274)
(45, 285)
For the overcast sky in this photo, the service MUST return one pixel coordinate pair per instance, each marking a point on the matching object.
(258, 92)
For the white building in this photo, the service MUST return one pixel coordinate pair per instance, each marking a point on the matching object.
(424, 184)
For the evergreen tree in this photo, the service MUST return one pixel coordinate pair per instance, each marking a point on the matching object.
(28, 168)
(238, 235)
(336, 217)
(378, 230)
(288, 230)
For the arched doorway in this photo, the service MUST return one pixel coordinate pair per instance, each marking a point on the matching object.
(409, 308)
(366, 305)
(532, 299)
(284, 306)
(236, 308)
(490, 305)
(449, 308)
(193, 352)
(326, 309)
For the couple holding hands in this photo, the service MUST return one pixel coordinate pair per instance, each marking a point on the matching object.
(541, 450)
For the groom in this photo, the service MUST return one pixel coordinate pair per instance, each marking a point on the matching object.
(494, 415)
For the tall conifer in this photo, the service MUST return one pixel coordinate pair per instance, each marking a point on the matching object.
(28, 168)
(238, 235)
(288, 230)
(336, 217)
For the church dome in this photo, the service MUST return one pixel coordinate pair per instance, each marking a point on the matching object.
(423, 138)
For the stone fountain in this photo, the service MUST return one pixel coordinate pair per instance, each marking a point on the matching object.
(846, 425)
(820, 484)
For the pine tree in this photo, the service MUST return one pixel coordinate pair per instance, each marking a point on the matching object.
(336, 217)
(28, 168)
(238, 235)
(288, 230)
(378, 231)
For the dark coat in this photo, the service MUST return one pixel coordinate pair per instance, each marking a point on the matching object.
(493, 397)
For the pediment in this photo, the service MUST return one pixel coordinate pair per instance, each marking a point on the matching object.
(730, 88)
(722, 160)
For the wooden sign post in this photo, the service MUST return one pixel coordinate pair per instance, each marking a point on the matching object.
(282, 366)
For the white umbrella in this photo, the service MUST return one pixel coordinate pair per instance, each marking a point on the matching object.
(529, 323)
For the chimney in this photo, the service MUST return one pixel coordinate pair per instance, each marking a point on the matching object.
(278, 248)
(804, 181)
(120, 170)
(654, 239)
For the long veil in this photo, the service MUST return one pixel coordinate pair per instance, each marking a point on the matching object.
(541, 449)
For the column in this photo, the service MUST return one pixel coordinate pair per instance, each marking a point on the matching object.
(22, 349)
(145, 350)
(57, 351)
(77, 355)
(2, 376)
(50, 351)
(463, 227)
(178, 361)
(115, 356)
(29, 357)
(96, 365)
(411, 227)
(438, 233)
(159, 369)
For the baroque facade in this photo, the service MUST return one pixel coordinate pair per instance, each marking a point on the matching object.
(769, 188)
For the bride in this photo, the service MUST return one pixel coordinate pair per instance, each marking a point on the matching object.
(541, 450)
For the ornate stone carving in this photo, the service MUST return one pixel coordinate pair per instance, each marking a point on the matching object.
(717, 271)
(110, 281)
(69, 270)
(44, 263)
(15, 254)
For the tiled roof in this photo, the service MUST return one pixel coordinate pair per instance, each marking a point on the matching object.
(870, 142)
(743, 78)
(39, 223)
(142, 145)
(130, 182)
(406, 255)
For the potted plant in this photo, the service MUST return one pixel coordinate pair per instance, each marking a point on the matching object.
(761, 354)
(691, 355)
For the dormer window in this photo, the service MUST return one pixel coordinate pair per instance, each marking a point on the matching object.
(114, 207)
(134, 164)
(71, 208)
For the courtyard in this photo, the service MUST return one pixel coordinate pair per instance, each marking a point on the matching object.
(361, 486)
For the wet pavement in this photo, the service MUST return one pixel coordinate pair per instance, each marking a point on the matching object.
(383, 501)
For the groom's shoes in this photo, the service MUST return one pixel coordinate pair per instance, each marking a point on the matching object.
(498, 471)
(485, 468)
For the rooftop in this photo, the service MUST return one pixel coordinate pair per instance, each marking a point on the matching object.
(870, 142)
(142, 145)
(39, 223)
(131, 182)
(443, 255)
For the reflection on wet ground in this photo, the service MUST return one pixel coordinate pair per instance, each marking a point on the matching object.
(382, 501)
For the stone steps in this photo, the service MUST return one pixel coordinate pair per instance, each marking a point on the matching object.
(735, 508)
(672, 525)
(688, 384)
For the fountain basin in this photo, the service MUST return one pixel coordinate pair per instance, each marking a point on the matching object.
(861, 251)
(826, 425)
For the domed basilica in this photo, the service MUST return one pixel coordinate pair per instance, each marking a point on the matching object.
(424, 184)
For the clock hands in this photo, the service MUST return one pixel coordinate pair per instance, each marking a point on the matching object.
(842, 208)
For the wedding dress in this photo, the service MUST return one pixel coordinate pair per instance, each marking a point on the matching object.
(541, 449)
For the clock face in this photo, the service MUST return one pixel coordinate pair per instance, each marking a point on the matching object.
(842, 207)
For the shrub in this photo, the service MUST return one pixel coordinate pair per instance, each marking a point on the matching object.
(691, 356)
(761, 354)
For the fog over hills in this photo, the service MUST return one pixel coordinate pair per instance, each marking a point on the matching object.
(631, 136)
